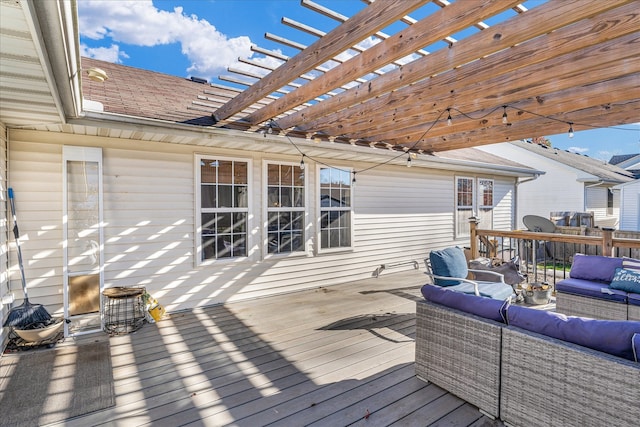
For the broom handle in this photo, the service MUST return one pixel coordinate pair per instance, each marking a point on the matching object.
(16, 234)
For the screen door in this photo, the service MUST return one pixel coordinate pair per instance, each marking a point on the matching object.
(82, 229)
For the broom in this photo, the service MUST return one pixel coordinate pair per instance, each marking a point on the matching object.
(26, 313)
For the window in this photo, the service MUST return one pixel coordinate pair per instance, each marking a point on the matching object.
(335, 208)
(467, 205)
(285, 209)
(485, 202)
(464, 205)
(609, 201)
(224, 208)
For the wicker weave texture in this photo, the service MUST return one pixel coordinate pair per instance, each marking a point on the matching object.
(576, 305)
(547, 382)
(633, 312)
(460, 353)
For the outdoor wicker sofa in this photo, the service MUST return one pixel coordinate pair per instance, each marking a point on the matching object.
(524, 378)
(593, 290)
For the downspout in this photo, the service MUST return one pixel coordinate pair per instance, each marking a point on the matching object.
(516, 214)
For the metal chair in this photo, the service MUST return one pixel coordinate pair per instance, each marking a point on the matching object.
(445, 268)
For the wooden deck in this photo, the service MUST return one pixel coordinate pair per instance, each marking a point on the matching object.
(335, 356)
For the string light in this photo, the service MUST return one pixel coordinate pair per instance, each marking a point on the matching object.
(272, 124)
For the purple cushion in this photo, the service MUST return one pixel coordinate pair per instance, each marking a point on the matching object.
(591, 289)
(480, 306)
(449, 262)
(633, 299)
(626, 280)
(609, 336)
(594, 267)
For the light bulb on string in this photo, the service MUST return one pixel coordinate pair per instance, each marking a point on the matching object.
(353, 181)
(449, 121)
(570, 130)
(302, 163)
(409, 160)
(505, 120)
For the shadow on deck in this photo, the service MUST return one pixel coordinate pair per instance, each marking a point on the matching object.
(335, 356)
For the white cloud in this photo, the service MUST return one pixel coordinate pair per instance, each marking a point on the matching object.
(578, 150)
(140, 23)
(109, 54)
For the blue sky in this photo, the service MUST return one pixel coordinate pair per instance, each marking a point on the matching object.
(203, 37)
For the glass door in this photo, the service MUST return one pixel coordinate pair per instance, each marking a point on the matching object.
(82, 231)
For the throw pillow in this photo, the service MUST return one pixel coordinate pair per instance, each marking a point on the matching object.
(626, 280)
(631, 263)
(594, 267)
(449, 262)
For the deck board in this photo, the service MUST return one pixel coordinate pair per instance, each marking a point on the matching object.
(332, 356)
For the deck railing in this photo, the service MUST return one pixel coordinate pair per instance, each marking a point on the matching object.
(547, 257)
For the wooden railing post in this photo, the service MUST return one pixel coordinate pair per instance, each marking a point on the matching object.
(607, 241)
(473, 236)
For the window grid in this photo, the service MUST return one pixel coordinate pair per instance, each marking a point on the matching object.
(223, 208)
(335, 208)
(285, 209)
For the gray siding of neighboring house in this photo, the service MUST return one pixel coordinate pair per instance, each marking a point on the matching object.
(596, 203)
(149, 210)
(630, 206)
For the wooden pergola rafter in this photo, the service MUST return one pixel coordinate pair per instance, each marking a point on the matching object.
(560, 62)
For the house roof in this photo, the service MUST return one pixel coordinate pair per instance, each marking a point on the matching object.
(136, 93)
(600, 170)
(620, 158)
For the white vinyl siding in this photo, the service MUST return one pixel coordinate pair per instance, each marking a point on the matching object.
(150, 216)
(4, 232)
(629, 196)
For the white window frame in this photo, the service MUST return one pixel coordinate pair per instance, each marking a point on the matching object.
(477, 208)
(457, 225)
(267, 210)
(481, 204)
(198, 158)
(485, 212)
(320, 210)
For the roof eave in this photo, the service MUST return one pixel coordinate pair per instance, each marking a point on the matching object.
(119, 121)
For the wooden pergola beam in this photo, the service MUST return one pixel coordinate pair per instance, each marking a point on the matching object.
(539, 22)
(370, 19)
(431, 29)
(595, 64)
(554, 105)
(600, 116)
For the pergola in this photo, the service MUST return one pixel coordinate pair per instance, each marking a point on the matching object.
(448, 80)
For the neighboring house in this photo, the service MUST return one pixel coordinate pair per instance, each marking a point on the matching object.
(629, 205)
(127, 183)
(571, 183)
(628, 162)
